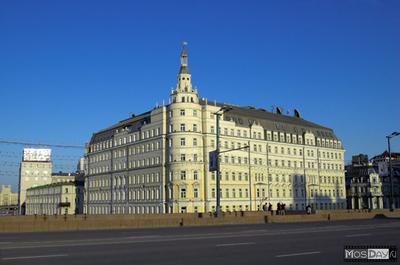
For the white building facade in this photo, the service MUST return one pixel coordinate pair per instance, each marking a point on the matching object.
(157, 162)
(35, 170)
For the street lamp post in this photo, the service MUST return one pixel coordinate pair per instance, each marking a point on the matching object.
(394, 134)
(218, 114)
(251, 123)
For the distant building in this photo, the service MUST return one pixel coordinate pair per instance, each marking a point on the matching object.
(35, 170)
(63, 177)
(381, 163)
(158, 161)
(55, 198)
(363, 184)
(7, 197)
(82, 165)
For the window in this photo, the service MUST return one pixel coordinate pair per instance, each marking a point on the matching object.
(183, 193)
(195, 175)
(183, 175)
(183, 127)
(213, 193)
(195, 127)
(212, 130)
(183, 141)
(196, 192)
(195, 113)
(183, 157)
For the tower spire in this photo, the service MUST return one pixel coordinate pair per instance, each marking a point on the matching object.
(184, 91)
(184, 60)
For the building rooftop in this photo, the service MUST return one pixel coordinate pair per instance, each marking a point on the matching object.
(56, 184)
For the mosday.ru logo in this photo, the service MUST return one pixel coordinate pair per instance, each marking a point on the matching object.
(363, 253)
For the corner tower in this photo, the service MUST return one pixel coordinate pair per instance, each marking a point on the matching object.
(184, 92)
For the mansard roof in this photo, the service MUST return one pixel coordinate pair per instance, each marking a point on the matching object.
(133, 123)
(273, 121)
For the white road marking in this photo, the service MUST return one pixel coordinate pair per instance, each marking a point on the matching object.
(235, 244)
(298, 254)
(357, 235)
(36, 257)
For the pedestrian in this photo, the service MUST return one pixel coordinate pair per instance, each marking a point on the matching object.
(270, 208)
(308, 209)
(278, 208)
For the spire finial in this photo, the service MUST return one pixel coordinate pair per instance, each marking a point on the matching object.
(184, 61)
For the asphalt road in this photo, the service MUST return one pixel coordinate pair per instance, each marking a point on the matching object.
(300, 243)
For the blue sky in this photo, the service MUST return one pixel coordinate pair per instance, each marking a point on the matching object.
(70, 68)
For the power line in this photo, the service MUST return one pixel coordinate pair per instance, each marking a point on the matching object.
(38, 144)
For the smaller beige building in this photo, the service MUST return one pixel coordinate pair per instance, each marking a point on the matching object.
(7, 197)
(55, 198)
(63, 177)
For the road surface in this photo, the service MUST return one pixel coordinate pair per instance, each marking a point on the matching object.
(295, 243)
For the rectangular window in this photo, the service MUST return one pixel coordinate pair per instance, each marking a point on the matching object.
(196, 192)
(183, 175)
(183, 141)
(182, 112)
(183, 193)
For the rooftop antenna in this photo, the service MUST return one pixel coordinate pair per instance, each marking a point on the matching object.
(297, 113)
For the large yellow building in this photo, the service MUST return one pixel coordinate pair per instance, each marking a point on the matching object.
(157, 162)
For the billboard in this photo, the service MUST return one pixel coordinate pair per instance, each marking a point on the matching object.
(33, 154)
